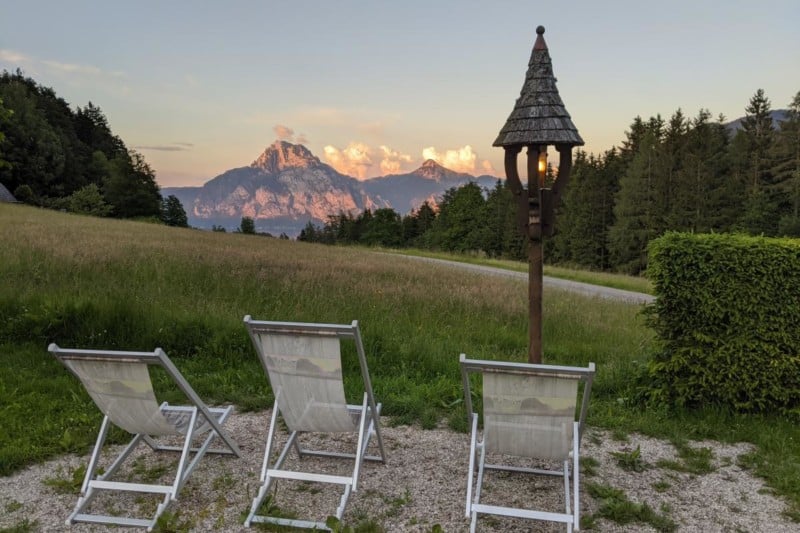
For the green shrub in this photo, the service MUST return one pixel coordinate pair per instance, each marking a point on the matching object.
(726, 315)
(89, 200)
(25, 194)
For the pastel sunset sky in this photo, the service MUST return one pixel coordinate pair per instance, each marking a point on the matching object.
(376, 87)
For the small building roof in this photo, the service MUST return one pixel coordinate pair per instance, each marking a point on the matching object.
(5, 195)
(539, 116)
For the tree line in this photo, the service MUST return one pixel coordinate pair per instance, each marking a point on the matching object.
(682, 174)
(55, 157)
(467, 218)
(685, 174)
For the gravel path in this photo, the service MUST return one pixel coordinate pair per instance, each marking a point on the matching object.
(574, 286)
(422, 484)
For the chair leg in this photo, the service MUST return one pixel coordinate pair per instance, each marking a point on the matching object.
(87, 493)
(343, 502)
(91, 487)
(270, 435)
(361, 443)
(477, 500)
(376, 428)
(205, 448)
(576, 474)
(567, 503)
(264, 478)
(471, 471)
(183, 472)
(271, 470)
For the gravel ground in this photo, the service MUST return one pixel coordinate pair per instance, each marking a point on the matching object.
(422, 484)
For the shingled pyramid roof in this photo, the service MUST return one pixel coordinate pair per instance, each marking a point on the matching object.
(539, 116)
(5, 195)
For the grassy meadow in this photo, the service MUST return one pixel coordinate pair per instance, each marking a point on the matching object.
(91, 283)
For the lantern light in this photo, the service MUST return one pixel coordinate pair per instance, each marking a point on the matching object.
(542, 167)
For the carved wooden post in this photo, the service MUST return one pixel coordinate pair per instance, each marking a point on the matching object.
(538, 119)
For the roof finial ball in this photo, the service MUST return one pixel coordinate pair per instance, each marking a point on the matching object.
(539, 30)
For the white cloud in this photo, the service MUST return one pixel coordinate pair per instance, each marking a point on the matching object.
(171, 147)
(12, 56)
(362, 161)
(487, 167)
(354, 160)
(284, 133)
(71, 72)
(72, 68)
(392, 161)
(81, 71)
(460, 160)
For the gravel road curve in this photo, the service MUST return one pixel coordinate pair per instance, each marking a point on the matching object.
(564, 284)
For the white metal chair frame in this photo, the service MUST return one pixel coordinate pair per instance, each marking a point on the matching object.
(571, 516)
(202, 418)
(369, 424)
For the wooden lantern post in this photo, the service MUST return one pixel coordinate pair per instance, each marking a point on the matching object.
(538, 120)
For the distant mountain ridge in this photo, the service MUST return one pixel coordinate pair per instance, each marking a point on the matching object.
(777, 115)
(406, 192)
(287, 186)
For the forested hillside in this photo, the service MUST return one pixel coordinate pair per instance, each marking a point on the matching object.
(55, 157)
(681, 174)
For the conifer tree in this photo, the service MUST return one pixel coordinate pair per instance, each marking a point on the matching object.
(247, 226)
(668, 190)
(706, 197)
(587, 212)
(385, 229)
(757, 126)
(635, 209)
(786, 169)
(459, 225)
(5, 114)
(760, 212)
(425, 216)
(496, 213)
(172, 212)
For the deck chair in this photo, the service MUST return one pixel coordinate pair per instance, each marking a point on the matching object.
(529, 411)
(303, 362)
(120, 385)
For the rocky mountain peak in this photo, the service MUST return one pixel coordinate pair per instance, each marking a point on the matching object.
(282, 155)
(431, 170)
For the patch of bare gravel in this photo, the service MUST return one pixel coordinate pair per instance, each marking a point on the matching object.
(423, 483)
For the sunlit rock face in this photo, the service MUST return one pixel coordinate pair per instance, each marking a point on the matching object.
(282, 155)
(432, 170)
(286, 181)
(287, 186)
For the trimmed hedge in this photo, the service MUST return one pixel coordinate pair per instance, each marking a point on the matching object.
(727, 313)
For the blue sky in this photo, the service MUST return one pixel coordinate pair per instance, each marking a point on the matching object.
(376, 87)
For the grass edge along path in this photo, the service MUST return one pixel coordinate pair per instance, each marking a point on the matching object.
(604, 279)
